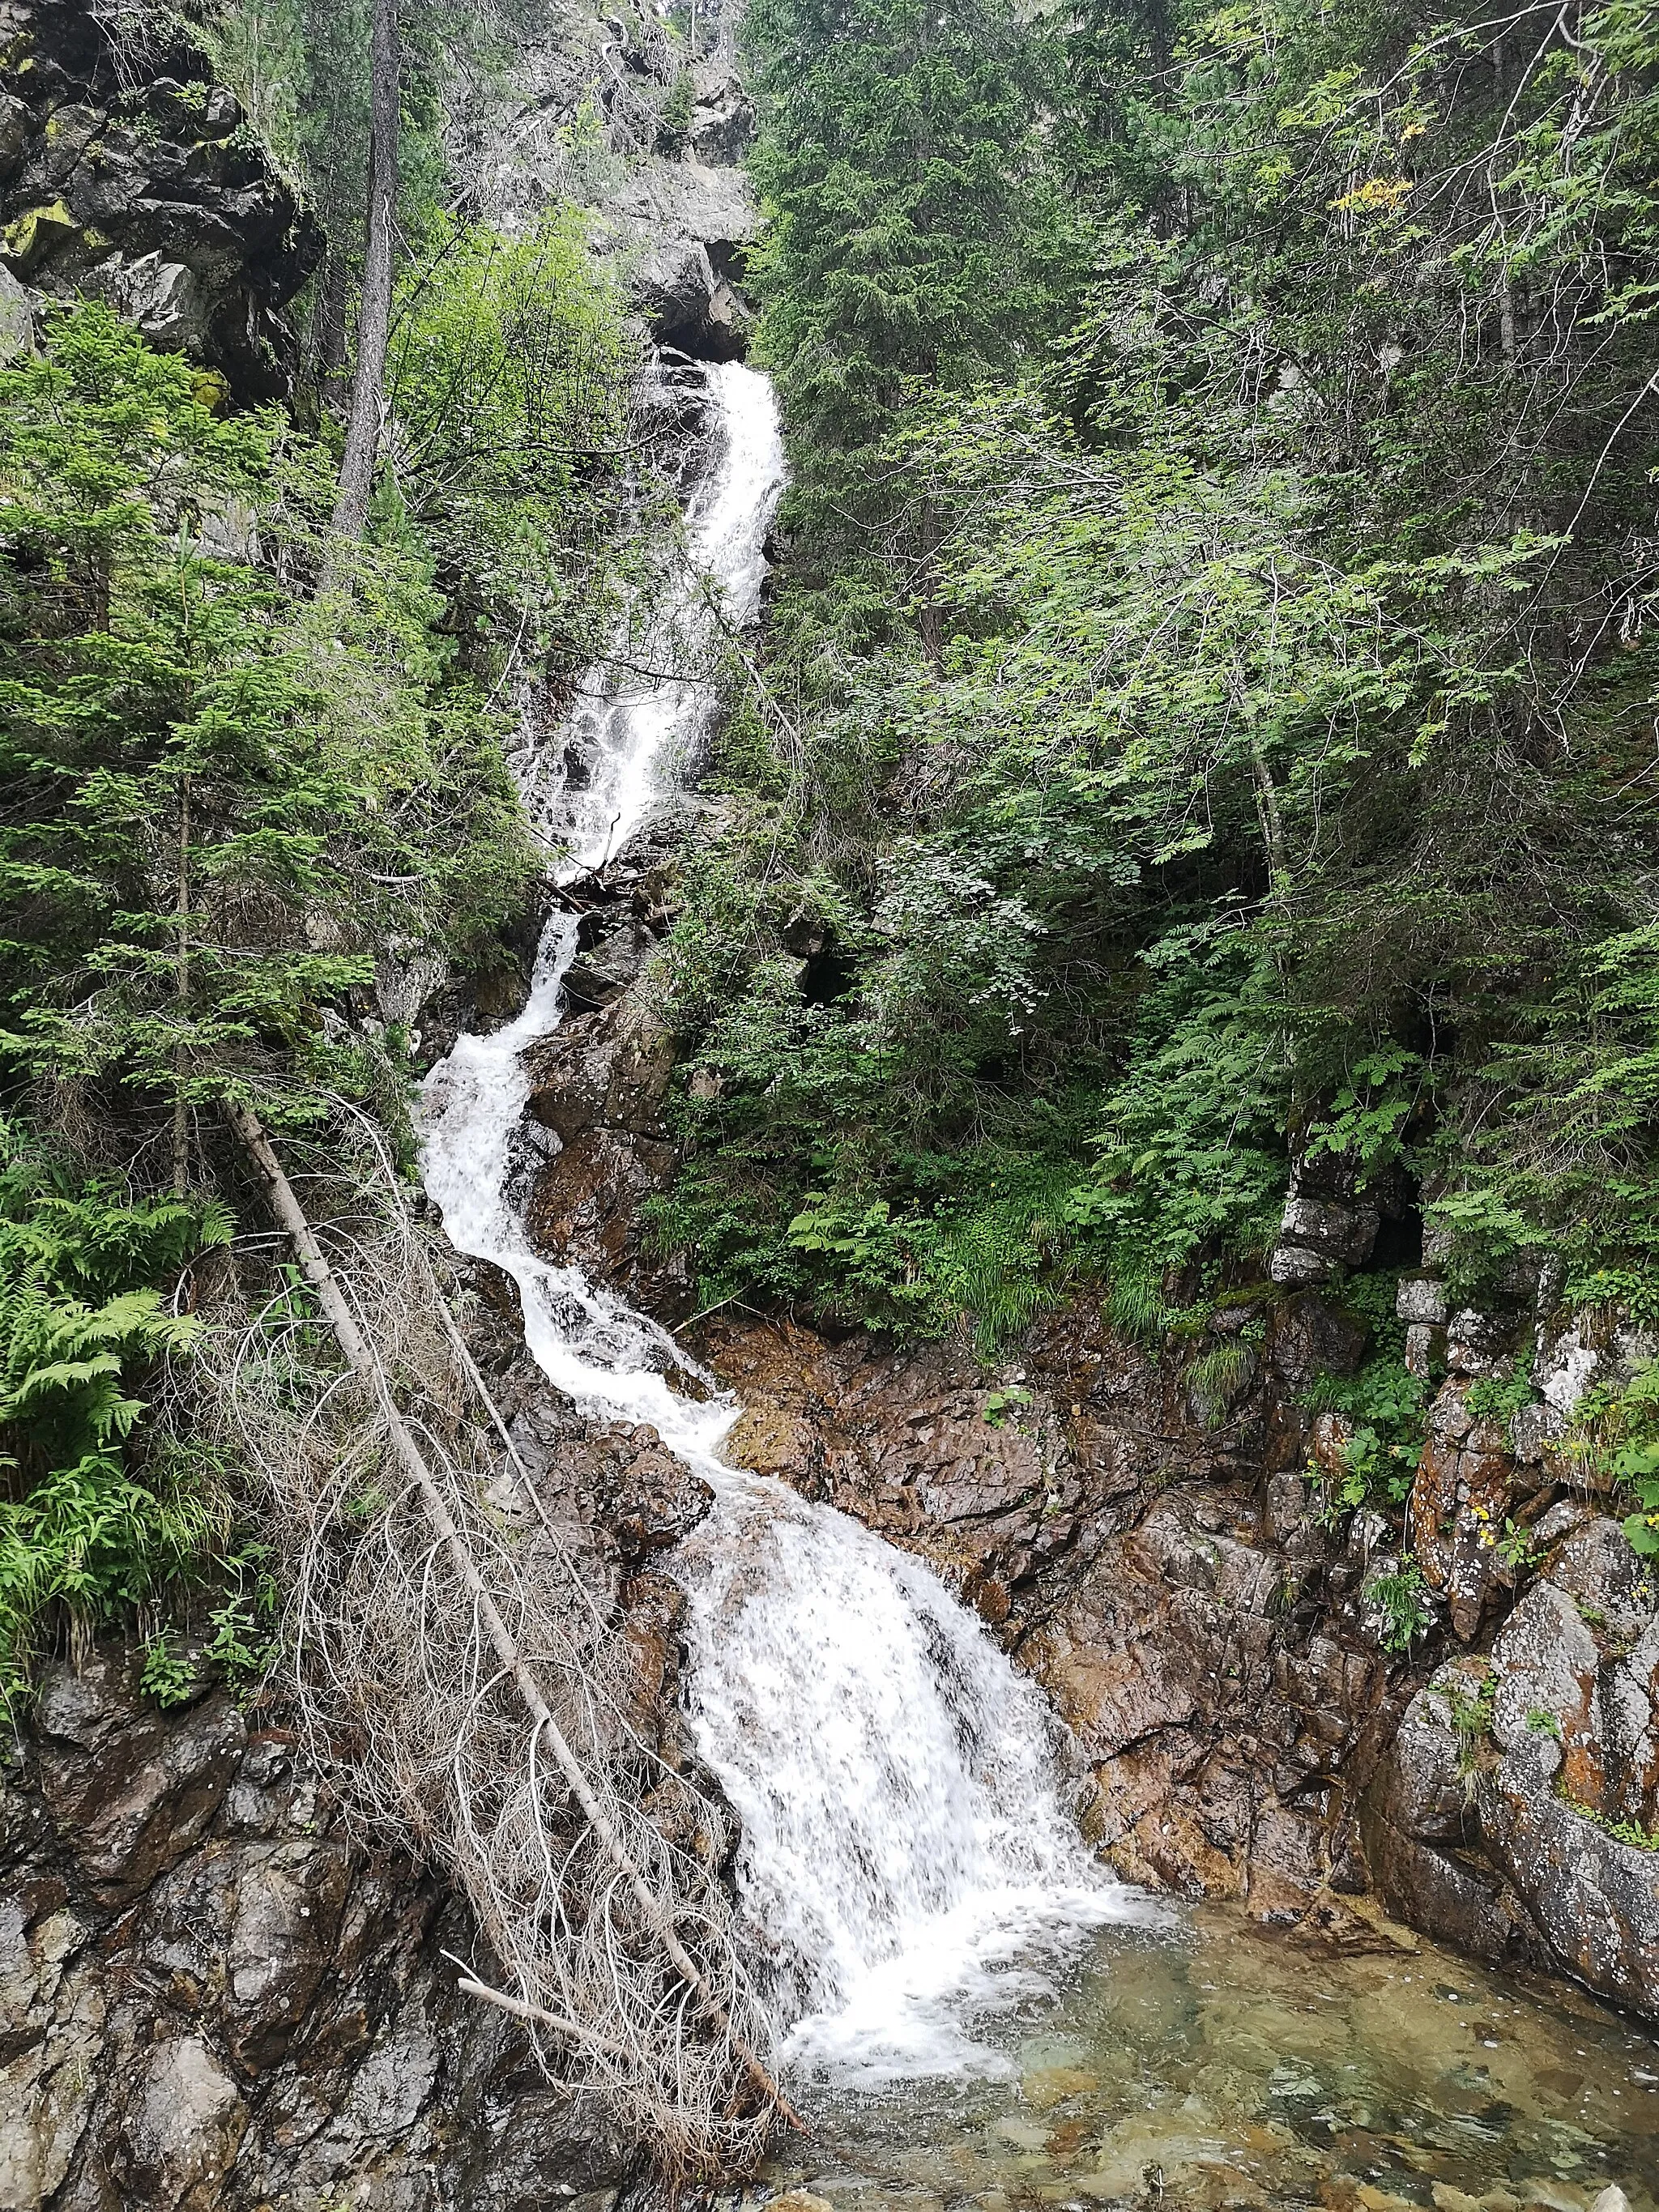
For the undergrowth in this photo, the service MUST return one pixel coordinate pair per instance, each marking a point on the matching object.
(91, 1519)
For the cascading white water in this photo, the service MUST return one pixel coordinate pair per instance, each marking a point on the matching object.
(625, 720)
(906, 1855)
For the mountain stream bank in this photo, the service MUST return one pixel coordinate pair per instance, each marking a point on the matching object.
(973, 2009)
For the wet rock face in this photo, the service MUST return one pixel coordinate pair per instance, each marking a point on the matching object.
(132, 178)
(215, 1997)
(1466, 1487)
(1245, 1733)
(1494, 1819)
(599, 1085)
(1202, 1637)
(219, 1998)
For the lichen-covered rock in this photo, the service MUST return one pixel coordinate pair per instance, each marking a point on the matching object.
(722, 117)
(1494, 1820)
(1461, 1498)
(1601, 1347)
(17, 330)
(135, 180)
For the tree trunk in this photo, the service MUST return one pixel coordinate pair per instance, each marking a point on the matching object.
(182, 996)
(374, 316)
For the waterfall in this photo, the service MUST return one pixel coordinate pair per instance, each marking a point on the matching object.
(907, 1859)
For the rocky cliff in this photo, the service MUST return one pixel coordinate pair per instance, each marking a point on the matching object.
(1211, 1638)
(1150, 1529)
(128, 174)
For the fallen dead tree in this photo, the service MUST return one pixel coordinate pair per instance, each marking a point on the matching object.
(443, 1637)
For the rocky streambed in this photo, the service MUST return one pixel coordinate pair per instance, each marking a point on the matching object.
(215, 1993)
(1216, 2062)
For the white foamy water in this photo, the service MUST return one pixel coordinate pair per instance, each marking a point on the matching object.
(907, 1863)
(592, 797)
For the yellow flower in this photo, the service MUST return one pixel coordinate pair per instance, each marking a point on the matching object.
(1380, 195)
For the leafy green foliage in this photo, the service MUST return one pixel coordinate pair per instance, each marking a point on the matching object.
(996, 1406)
(1401, 1597)
(1470, 1700)
(1615, 1429)
(1186, 720)
(231, 799)
(241, 1644)
(224, 797)
(79, 1524)
(508, 381)
(1622, 1831)
(1216, 1375)
(910, 202)
(1500, 1397)
(167, 1675)
(1384, 1406)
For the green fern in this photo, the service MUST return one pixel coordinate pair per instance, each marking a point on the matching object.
(80, 1321)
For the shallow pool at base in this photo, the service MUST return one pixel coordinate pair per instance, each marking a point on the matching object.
(1221, 2064)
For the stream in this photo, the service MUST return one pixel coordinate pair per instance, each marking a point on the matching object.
(970, 2010)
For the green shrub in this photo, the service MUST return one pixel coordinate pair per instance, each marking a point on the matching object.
(84, 1524)
(1401, 1597)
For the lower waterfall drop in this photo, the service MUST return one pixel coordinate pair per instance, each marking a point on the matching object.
(907, 1856)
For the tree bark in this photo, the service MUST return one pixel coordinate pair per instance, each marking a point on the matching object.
(374, 316)
(181, 998)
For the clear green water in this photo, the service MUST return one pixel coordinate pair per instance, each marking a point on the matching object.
(1225, 2064)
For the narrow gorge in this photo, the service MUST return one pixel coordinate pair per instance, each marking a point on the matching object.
(826, 1169)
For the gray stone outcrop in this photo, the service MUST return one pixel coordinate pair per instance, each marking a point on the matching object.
(133, 178)
(1494, 1821)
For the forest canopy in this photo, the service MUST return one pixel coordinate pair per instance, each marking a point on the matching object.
(1224, 726)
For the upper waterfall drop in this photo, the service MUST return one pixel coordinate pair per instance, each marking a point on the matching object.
(627, 721)
(906, 1850)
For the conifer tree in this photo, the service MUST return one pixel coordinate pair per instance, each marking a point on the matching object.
(914, 235)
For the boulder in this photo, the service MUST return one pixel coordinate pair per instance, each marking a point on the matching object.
(1518, 1810)
(722, 118)
(1330, 1224)
(129, 177)
(650, 1498)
